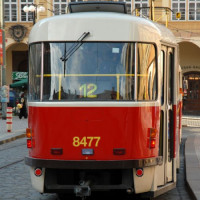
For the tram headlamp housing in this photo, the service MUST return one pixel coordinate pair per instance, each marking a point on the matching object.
(139, 172)
(152, 138)
(29, 136)
(28, 133)
(153, 132)
(38, 171)
(29, 143)
(152, 143)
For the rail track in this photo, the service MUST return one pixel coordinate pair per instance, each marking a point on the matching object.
(12, 163)
(11, 153)
(4, 149)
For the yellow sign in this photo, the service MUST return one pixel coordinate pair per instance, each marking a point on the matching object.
(178, 15)
(88, 90)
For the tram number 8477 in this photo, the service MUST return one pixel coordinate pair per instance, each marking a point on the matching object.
(86, 141)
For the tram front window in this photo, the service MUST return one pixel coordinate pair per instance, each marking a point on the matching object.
(34, 72)
(88, 71)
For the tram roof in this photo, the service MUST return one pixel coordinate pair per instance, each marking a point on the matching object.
(103, 26)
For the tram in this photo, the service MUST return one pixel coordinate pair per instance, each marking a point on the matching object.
(104, 103)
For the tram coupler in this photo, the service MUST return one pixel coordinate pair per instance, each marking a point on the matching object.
(83, 190)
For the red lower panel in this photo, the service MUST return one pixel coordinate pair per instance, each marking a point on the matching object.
(100, 129)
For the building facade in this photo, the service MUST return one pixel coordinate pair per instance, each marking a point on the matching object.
(181, 16)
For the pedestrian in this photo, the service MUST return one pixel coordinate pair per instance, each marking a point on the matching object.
(23, 109)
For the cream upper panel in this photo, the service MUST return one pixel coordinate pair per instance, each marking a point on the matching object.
(103, 26)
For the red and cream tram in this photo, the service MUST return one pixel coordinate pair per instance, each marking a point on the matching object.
(104, 103)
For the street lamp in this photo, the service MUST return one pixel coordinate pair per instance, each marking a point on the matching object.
(34, 9)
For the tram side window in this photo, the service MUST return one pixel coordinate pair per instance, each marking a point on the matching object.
(147, 72)
(47, 72)
(170, 90)
(34, 72)
(162, 73)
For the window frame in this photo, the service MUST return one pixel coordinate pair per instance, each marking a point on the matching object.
(195, 10)
(142, 3)
(57, 6)
(179, 9)
(10, 11)
(129, 5)
(19, 12)
(34, 87)
(28, 15)
(156, 73)
(135, 99)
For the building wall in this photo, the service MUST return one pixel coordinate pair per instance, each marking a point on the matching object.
(189, 55)
(180, 28)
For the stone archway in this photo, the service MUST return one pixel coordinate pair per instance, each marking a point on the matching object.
(191, 89)
(16, 60)
(190, 64)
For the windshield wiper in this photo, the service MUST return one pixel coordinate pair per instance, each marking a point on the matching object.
(73, 48)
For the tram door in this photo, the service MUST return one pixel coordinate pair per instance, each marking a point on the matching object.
(166, 123)
(169, 113)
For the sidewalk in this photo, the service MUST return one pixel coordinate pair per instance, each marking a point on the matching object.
(192, 153)
(192, 164)
(18, 129)
(192, 121)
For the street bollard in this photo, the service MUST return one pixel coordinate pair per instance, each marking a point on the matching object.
(0, 115)
(9, 119)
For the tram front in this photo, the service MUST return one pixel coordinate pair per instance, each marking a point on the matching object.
(94, 113)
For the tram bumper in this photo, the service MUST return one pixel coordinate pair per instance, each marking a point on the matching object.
(69, 176)
(37, 181)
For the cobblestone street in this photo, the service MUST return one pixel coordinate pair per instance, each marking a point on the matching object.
(16, 184)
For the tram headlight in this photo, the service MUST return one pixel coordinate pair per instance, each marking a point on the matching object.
(29, 136)
(29, 143)
(28, 133)
(139, 172)
(152, 138)
(38, 171)
(153, 132)
(152, 143)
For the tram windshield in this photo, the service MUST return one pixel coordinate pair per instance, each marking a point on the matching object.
(85, 71)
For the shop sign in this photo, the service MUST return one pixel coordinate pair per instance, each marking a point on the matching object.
(4, 94)
(1, 47)
(191, 67)
(19, 75)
